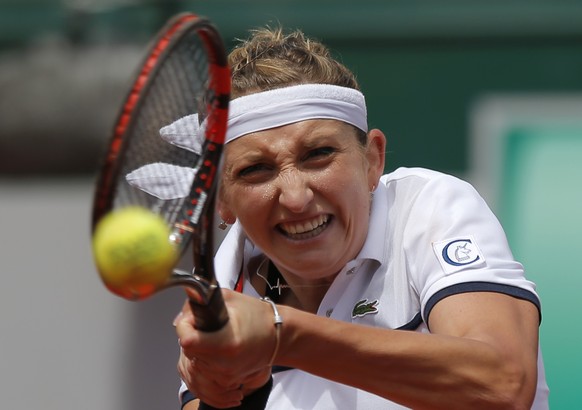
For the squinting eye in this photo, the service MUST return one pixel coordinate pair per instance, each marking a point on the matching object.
(320, 152)
(253, 169)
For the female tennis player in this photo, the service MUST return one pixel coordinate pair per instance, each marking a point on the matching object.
(351, 288)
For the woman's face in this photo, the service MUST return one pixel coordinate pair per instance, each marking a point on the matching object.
(302, 193)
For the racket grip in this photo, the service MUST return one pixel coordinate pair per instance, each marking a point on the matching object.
(254, 401)
(212, 316)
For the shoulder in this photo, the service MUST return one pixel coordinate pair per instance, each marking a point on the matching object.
(432, 187)
(419, 176)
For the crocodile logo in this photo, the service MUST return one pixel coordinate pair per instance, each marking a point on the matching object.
(363, 308)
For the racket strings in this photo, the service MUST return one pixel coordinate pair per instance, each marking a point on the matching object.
(177, 88)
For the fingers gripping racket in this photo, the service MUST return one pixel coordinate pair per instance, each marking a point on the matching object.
(165, 150)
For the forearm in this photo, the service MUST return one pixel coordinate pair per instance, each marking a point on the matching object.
(414, 369)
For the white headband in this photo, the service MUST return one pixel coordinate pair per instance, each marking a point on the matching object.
(250, 113)
(283, 106)
(275, 108)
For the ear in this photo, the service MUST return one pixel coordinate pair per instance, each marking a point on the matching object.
(376, 155)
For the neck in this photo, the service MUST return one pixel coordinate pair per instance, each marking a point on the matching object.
(289, 289)
(306, 299)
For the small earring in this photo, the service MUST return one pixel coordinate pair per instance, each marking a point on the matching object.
(222, 225)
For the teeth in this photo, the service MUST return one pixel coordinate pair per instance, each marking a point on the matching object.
(298, 228)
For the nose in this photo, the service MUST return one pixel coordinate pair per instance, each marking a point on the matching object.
(295, 192)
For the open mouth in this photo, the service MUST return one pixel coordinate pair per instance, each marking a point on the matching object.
(305, 229)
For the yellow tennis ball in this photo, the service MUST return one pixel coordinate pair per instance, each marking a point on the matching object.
(133, 253)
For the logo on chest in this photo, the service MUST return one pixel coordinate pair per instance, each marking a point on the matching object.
(363, 308)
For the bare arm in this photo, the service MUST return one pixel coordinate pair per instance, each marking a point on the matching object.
(482, 354)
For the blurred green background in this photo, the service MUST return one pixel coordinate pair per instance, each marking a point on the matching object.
(426, 68)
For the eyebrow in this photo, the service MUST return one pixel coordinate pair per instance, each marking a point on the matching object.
(317, 136)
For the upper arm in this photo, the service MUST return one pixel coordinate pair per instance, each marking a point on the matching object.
(507, 324)
(489, 317)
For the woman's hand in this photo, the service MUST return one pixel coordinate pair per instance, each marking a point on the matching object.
(222, 367)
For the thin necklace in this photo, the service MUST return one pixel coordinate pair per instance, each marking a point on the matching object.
(280, 286)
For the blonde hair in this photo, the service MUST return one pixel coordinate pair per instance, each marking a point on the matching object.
(271, 59)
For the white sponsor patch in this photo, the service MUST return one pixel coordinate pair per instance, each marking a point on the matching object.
(458, 253)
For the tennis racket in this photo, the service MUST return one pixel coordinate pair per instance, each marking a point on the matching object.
(165, 150)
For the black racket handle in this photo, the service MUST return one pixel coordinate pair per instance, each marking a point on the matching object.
(210, 317)
(254, 401)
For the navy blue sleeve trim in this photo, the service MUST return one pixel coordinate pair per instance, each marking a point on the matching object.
(482, 287)
(187, 397)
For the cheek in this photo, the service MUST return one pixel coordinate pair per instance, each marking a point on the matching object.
(247, 202)
(345, 180)
(269, 193)
(330, 180)
(350, 192)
